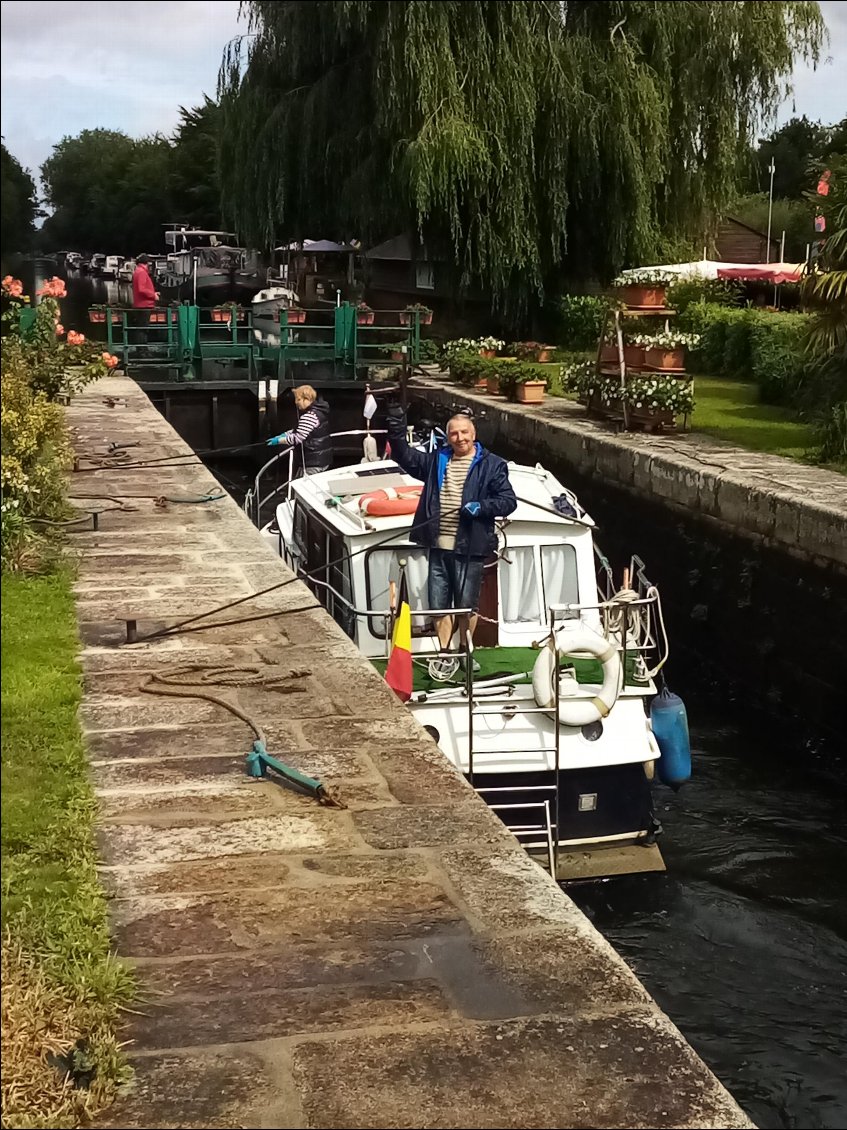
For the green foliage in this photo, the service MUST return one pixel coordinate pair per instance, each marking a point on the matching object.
(64, 982)
(114, 192)
(18, 204)
(825, 392)
(797, 150)
(37, 366)
(777, 347)
(683, 293)
(741, 344)
(469, 369)
(521, 138)
(578, 319)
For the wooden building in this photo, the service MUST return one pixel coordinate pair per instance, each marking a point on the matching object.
(736, 242)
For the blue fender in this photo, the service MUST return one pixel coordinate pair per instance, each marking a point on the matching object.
(670, 726)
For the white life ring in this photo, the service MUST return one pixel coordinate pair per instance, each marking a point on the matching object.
(578, 712)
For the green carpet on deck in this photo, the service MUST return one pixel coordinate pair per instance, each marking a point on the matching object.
(498, 661)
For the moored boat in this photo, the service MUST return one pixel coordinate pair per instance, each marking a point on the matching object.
(546, 710)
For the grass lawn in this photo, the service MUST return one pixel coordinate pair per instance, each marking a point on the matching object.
(730, 410)
(62, 989)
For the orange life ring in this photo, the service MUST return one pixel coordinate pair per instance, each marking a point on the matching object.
(390, 503)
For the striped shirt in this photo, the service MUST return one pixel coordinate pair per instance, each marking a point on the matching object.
(305, 426)
(451, 499)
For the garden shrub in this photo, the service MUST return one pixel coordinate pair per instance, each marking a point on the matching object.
(778, 355)
(578, 320)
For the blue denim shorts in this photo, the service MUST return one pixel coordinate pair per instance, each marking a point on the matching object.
(454, 579)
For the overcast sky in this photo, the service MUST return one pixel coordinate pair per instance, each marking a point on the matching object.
(130, 66)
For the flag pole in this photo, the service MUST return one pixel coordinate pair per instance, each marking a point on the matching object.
(772, 170)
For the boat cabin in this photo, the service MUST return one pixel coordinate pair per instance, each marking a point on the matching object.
(545, 557)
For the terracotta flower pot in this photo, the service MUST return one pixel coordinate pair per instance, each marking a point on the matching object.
(492, 386)
(426, 318)
(633, 356)
(543, 356)
(365, 319)
(157, 317)
(397, 356)
(643, 297)
(220, 315)
(97, 316)
(489, 353)
(666, 359)
(609, 353)
(531, 392)
(481, 385)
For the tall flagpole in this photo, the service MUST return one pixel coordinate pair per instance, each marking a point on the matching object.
(772, 170)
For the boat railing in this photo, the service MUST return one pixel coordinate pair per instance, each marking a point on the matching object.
(254, 502)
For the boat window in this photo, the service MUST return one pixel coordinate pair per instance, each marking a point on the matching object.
(339, 598)
(558, 566)
(520, 598)
(382, 566)
(525, 595)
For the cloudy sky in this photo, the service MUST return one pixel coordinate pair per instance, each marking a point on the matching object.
(130, 66)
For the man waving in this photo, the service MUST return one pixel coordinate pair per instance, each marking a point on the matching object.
(465, 489)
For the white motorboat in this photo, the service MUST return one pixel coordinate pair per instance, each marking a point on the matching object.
(546, 712)
(273, 298)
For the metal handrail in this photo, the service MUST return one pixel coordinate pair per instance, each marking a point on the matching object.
(289, 454)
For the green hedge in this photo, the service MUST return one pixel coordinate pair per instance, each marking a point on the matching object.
(749, 344)
(577, 319)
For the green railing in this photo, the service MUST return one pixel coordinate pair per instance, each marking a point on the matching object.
(185, 339)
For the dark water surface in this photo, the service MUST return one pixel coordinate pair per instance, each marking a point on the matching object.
(743, 942)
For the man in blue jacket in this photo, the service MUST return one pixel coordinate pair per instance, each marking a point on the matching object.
(465, 489)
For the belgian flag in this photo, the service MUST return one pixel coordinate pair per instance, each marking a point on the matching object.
(398, 673)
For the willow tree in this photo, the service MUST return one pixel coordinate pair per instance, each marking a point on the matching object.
(518, 138)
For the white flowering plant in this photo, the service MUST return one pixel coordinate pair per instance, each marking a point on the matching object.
(646, 276)
(472, 345)
(661, 393)
(669, 339)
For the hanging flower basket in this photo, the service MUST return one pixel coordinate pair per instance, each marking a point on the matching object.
(294, 315)
(227, 314)
(159, 317)
(97, 316)
(423, 312)
(531, 392)
(666, 360)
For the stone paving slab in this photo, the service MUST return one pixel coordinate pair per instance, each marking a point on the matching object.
(398, 962)
(799, 508)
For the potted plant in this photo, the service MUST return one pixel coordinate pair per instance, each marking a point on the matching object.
(657, 399)
(294, 315)
(530, 384)
(364, 315)
(644, 289)
(99, 312)
(665, 352)
(394, 350)
(228, 312)
(424, 314)
(159, 317)
(489, 346)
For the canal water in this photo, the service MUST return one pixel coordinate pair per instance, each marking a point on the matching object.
(743, 942)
